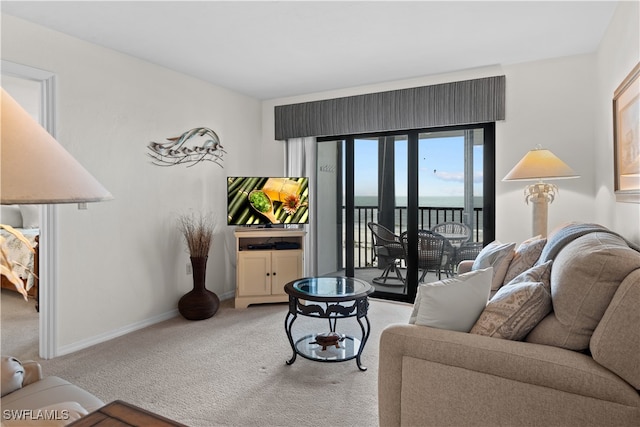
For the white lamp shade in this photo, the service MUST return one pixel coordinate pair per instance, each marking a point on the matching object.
(540, 164)
(35, 168)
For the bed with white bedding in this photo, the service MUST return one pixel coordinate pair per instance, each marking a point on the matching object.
(25, 219)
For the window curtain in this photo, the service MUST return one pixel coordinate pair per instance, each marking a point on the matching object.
(301, 161)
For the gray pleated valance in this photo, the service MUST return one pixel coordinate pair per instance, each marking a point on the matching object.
(458, 103)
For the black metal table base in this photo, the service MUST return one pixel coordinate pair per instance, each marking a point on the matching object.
(347, 348)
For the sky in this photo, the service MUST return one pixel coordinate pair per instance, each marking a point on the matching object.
(441, 167)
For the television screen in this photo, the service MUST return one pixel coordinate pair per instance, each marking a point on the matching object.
(267, 200)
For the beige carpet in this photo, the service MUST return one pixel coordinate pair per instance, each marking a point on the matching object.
(230, 370)
(19, 327)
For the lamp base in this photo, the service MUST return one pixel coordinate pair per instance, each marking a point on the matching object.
(540, 214)
(540, 195)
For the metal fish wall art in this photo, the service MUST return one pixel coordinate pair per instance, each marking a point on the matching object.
(177, 151)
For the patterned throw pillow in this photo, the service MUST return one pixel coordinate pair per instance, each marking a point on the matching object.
(538, 273)
(525, 257)
(514, 311)
(497, 255)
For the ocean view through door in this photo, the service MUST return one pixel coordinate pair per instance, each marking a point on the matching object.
(373, 189)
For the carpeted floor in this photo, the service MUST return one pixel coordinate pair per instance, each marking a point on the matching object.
(19, 327)
(230, 370)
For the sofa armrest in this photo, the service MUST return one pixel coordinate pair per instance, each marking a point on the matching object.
(465, 266)
(440, 366)
(32, 372)
(17, 374)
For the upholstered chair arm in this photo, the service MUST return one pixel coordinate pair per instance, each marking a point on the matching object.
(16, 374)
(465, 266)
(32, 372)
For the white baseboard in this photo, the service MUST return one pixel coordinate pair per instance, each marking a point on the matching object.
(80, 345)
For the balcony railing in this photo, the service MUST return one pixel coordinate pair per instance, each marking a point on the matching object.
(427, 218)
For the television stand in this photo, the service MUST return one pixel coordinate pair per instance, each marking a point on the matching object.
(267, 259)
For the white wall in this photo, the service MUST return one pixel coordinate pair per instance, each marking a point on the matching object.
(122, 263)
(619, 52)
(550, 103)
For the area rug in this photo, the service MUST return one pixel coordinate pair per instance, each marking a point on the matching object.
(230, 370)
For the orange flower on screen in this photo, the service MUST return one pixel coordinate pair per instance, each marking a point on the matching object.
(291, 203)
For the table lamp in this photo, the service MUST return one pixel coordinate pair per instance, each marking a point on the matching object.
(536, 165)
(36, 169)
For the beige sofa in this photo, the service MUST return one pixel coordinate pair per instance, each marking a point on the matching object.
(437, 377)
(29, 399)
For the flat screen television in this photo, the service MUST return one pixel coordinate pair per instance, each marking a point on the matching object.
(267, 201)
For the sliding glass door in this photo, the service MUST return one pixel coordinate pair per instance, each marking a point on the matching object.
(450, 178)
(378, 188)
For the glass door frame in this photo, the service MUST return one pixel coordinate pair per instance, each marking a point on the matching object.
(413, 196)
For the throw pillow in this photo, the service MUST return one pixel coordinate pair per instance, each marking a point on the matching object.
(497, 255)
(12, 374)
(514, 311)
(537, 273)
(453, 303)
(525, 257)
(30, 216)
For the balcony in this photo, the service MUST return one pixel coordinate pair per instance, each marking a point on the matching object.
(427, 218)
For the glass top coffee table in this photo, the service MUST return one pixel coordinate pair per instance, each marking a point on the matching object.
(330, 298)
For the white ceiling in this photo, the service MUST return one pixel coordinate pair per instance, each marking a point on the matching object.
(274, 49)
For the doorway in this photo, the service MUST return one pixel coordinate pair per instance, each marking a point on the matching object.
(39, 88)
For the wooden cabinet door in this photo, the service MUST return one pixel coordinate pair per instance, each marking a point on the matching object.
(254, 273)
(286, 266)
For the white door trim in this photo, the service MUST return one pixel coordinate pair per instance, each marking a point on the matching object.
(48, 288)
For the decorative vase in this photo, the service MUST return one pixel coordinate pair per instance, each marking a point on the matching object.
(200, 303)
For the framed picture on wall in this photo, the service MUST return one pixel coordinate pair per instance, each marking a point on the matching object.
(626, 138)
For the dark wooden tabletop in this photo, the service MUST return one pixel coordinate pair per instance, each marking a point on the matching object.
(120, 414)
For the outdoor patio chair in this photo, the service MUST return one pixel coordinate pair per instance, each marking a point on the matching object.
(435, 253)
(457, 232)
(389, 251)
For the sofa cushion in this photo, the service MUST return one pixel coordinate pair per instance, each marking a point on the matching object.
(525, 257)
(615, 343)
(12, 374)
(514, 311)
(497, 255)
(453, 303)
(586, 274)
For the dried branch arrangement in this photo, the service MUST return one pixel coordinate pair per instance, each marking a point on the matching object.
(197, 230)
